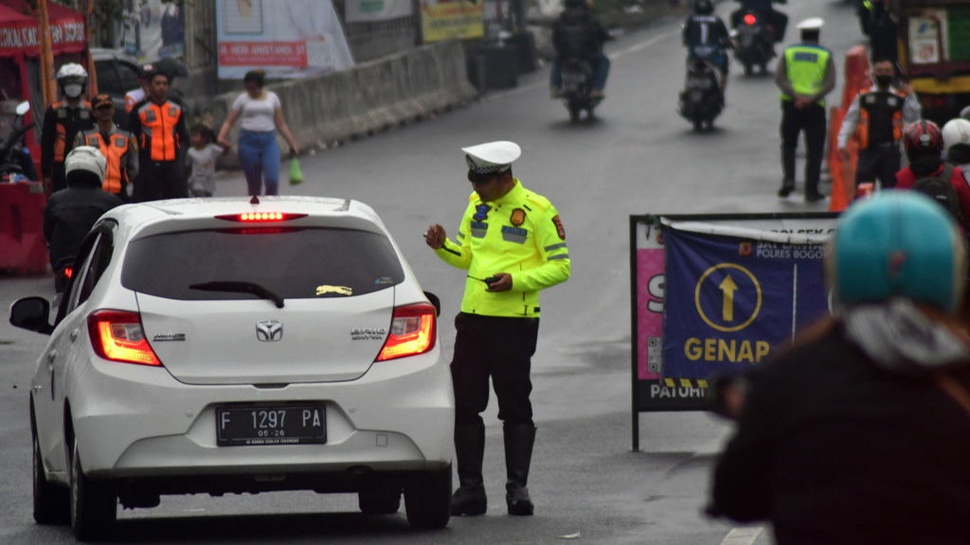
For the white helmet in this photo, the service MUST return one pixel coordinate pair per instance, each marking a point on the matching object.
(956, 131)
(72, 78)
(85, 163)
(71, 69)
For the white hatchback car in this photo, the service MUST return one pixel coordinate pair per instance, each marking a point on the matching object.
(228, 346)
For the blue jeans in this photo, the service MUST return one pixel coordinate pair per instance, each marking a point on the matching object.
(601, 70)
(259, 155)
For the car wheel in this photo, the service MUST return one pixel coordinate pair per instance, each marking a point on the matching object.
(427, 500)
(94, 505)
(52, 504)
(379, 501)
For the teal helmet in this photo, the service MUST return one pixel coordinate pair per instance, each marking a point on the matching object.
(897, 244)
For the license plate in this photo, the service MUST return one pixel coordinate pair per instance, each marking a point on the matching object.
(252, 425)
(699, 83)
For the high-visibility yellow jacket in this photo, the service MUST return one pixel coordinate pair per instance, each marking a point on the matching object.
(519, 234)
(805, 66)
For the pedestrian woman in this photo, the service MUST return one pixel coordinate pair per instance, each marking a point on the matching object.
(261, 116)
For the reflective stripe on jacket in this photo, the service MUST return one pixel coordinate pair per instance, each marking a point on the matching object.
(519, 234)
(879, 103)
(115, 152)
(805, 66)
(159, 125)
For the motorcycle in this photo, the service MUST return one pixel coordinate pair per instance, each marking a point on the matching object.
(702, 99)
(15, 160)
(577, 86)
(753, 42)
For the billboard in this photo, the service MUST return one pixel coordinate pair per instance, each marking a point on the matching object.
(717, 294)
(451, 20)
(285, 38)
(153, 29)
(369, 11)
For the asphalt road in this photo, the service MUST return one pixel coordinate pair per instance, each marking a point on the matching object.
(637, 156)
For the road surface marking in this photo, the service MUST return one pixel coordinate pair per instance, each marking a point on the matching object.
(742, 536)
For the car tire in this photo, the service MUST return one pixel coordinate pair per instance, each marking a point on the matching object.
(94, 505)
(427, 500)
(379, 501)
(52, 503)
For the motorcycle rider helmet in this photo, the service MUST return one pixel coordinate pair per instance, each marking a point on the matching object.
(922, 138)
(85, 166)
(72, 79)
(956, 132)
(703, 7)
(897, 244)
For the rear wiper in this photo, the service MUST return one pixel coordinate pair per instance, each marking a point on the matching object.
(241, 287)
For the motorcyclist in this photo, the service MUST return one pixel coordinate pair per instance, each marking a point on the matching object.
(71, 212)
(777, 19)
(706, 37)
(577, 33)
(956, 144)
(15, 158)
(62, 121)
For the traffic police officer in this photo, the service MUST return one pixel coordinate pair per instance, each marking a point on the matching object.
(62, 121)
(160, 127)
(513, 245)
(877, 117)
(118, 147)
(805, 74)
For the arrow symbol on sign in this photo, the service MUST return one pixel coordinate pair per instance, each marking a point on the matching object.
(728, 287)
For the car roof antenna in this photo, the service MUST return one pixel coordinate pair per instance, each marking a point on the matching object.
(254, 200)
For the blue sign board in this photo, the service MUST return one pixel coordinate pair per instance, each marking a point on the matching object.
(730, 301)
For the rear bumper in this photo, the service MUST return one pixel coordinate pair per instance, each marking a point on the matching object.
(136, 422)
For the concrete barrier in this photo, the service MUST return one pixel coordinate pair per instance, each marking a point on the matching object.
(368, 98)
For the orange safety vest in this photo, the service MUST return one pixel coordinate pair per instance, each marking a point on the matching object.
(158, 137)
(61, 137)
(114, 151)
(870, 100)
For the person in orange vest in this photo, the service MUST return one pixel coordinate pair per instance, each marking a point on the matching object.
(160, 128)
(877, 117)
(118, 147)
(62, 121)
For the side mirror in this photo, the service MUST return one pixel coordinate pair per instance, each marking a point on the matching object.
(435, 302)
(33, 314)
(22, 108)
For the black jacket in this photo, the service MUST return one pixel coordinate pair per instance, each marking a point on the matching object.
(69, 216)
(577, 33)
(833, 449)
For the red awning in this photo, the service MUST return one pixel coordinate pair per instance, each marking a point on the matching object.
(19, 33)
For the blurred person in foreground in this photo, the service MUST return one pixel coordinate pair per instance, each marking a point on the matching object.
(859, 432)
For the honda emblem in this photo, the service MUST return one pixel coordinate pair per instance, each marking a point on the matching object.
(269, 330)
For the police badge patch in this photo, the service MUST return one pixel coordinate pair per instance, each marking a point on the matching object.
(559, 228)
(517, 218)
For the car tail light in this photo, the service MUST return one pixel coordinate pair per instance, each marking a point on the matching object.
(117, 335)
(68, 272)
(260, 217)
(412, 332)
(750, 19)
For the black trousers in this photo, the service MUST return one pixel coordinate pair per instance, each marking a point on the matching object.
(811, 120)
(879, 162)
(159, 180)
(500, 349)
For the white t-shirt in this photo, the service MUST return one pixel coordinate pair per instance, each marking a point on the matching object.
(257, 114)
(202, 182)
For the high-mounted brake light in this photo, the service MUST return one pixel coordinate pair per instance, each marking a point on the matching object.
(117, 335)
(258, 217)
(68, 272)
(413, 332)
(750, 19)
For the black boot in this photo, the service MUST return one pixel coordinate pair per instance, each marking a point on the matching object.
(470, 498)
(518, 456)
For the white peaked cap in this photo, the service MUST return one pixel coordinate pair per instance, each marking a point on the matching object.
(813, 23)
(491, 157)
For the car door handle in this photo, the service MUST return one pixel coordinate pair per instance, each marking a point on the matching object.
(73, 335)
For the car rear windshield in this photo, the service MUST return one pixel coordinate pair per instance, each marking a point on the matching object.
(294, 263)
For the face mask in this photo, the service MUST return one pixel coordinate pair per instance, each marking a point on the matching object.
(73, 90)
(884, 81)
